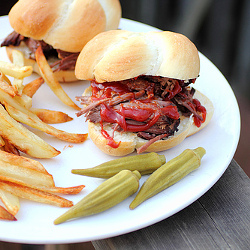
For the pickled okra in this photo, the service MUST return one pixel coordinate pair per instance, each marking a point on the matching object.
(111, 192)
(145, 164)
(168, 174)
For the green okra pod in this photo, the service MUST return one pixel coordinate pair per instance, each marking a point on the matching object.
(111, 192)
(168, 174)
(145, 164)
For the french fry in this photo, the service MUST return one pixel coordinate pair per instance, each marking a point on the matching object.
(10, 148)
(25, 116)
(17, 72)
(22, 161)
(7, 88)
(31, 88)
(4, 78)
(18, 60)
(2, 143)
(17, 57)
(5, 215)
(64, 190)
(51, 116)
(24, 100)
(23, 139)
(25, 175)
(18, 86)
(52, 190)
(25, 171)
(50, 79)
(26, 192)
(10, 201)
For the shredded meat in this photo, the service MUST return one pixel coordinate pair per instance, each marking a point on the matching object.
(145, 99)
(141, 88)
(150, 141)
(164, 125)
(66, 60)
(12, 39)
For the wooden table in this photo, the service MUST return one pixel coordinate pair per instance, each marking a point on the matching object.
(220, 219)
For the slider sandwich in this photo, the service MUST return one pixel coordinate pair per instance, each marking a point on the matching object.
(61, 28)
(141, 95)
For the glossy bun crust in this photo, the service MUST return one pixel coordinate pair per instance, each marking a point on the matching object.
(65, 24)
(121, 55)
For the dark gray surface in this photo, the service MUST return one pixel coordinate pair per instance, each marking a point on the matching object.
(218, 220)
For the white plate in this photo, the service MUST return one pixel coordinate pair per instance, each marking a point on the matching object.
(219, 138)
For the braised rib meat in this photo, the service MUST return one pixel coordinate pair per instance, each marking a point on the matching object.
(66, 60)
(146, 105)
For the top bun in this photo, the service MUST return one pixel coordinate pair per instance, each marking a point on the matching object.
(120, 55)
(65, 25)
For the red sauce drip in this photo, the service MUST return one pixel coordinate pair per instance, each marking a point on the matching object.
(202, 110)
(111, 142)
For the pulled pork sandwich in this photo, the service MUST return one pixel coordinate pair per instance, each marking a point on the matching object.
(61, 28)
(140, 95)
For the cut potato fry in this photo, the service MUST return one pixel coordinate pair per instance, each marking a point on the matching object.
(18, 60)
(7, 88)
(23, 139)
(50, 79)
(51, 116)
(26, 175)
(2, 142)
(33, 194)
(30, 119)
(22, 161)
(24, 100)
(31, 88)
(17, 57)
(52, 189)
(10, 201)
(63, 190)
(17, 72)
(4, 78)
(18, 86)
(10, 148)
(5, 215)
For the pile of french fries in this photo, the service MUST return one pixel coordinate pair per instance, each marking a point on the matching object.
(20, 176)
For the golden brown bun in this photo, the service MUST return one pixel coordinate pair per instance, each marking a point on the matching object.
(121, 55)
(130, 141)
(61, 75)
(66, 25)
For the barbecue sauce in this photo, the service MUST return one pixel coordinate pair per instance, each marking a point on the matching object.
(145, 113)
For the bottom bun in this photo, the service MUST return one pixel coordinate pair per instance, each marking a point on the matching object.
(61, 75)
(129, 142)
